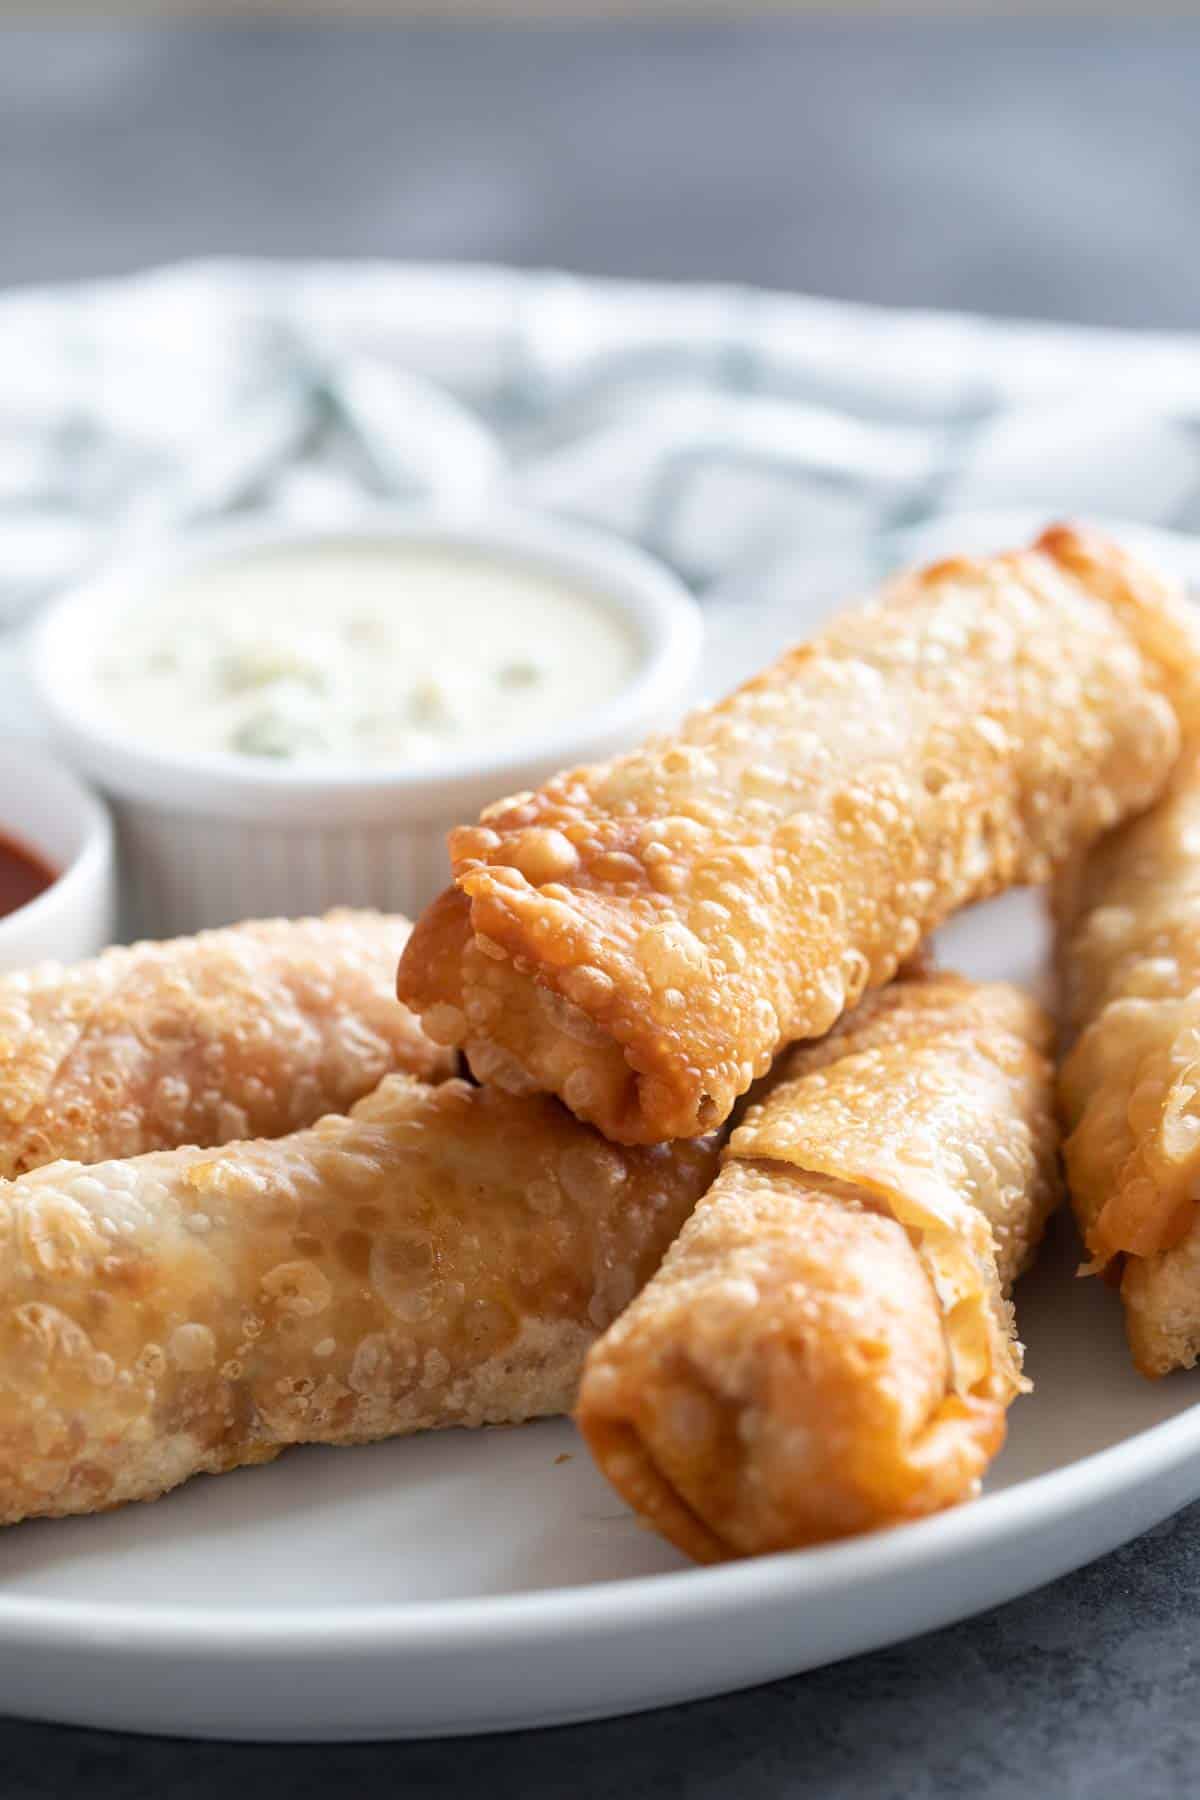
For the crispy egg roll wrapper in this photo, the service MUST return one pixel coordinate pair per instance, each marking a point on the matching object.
(249, 1032)
(642, 936)
(1129, 962)
(444, 1256)
(828, 1347)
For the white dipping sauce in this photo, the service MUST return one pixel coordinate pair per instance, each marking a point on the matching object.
(371, 653)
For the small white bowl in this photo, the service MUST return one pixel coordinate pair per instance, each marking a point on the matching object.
(45, 807)
(208, 838)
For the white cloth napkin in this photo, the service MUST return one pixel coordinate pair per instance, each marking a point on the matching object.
(720, 427)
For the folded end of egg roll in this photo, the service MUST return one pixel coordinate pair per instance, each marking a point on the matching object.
(527, 1036)
(798, 1391)
(829, 1347)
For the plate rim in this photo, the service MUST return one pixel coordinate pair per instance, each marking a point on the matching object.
(625, 1604)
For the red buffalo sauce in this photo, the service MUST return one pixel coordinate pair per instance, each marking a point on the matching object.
(23, 875)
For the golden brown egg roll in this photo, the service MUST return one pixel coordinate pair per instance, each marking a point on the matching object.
(444, 1256)
(1129, 961)
(642, 936)
(248, 1032)
(828, 1346)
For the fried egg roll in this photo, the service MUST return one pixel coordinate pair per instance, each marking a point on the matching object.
(248, 1032)
(1129, 960)
(444, 1256)
(642, 936)
(828, 1346)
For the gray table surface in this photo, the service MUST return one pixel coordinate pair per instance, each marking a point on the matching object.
(1049, 170)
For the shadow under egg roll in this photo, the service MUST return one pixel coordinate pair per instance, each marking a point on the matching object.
(641, 937)
(444, 1256)
(828, 1346)
(248, 1032)
(1129, 1085)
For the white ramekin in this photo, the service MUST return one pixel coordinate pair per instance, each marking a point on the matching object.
(210, 838)
(43, 805)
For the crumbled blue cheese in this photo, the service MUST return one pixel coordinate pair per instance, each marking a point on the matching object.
(374, 652)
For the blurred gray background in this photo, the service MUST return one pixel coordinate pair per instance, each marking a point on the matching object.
(1048, 168)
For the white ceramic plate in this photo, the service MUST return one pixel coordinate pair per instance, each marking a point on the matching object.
(475, 1582)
